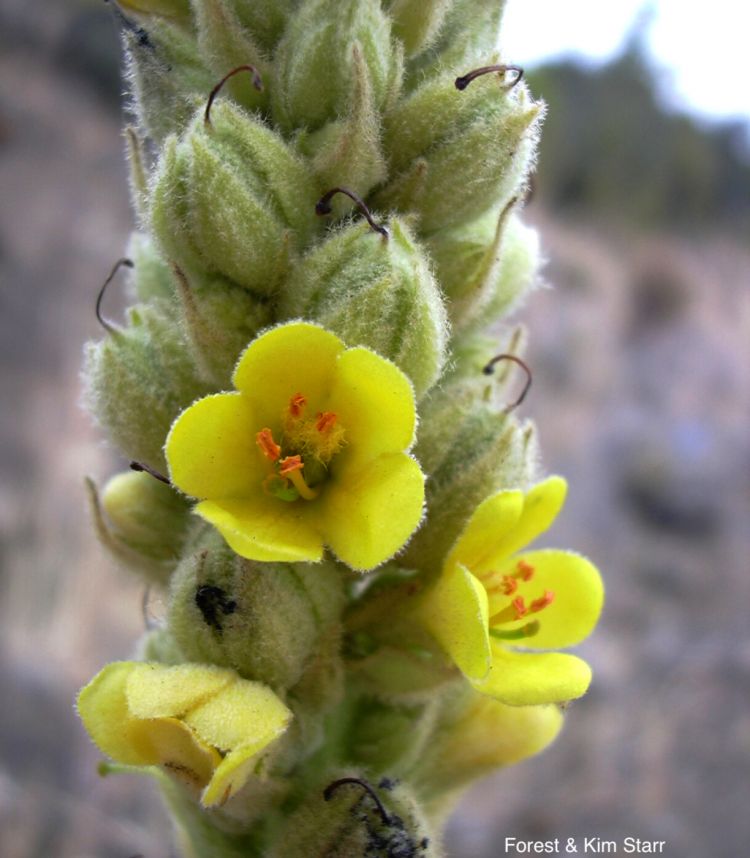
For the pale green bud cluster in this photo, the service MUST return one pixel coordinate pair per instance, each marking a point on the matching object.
(340, 178)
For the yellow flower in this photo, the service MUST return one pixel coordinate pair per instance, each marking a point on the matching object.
(310, 450)
(490, 598)
(202, 724)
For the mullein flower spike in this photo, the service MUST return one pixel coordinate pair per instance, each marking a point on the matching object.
(329, 200)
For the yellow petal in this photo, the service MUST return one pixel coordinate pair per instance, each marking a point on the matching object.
(241, 714)
(163, 691)
(541, 505)
(231, 775)
(103, 707)
(211, 448)
(369, 515)
(374, 401)
(493, 734)
(489, 525)
(243, 719)
(454, 611)
(294, 358)
(170, 743)
(528, 678)
(265, 528)
(577, 604)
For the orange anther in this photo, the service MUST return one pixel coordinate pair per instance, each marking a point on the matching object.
(290, 464)
(525, 570)
(509, 585)
(269, 448)
(519, 607)
(297, 404)
(326, 421)
(542, 601)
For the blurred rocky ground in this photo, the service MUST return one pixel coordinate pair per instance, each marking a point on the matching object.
(642, 396)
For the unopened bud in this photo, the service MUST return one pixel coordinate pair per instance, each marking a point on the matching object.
(231, 198)
(485, 267)
(137, 380)
(457, 153)
(265, 620)
(316, 65)
(377, 292)
(347, 815)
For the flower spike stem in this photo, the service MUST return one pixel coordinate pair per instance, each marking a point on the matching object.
(323, 207)
(333, 787)
(490, 368)
(108, 326)
(464, 80)
(141, 468)
(257, 83)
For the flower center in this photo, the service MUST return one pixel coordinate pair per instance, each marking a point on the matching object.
(517, 608)
(307, 445)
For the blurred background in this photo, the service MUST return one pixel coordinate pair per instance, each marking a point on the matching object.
(641, 392)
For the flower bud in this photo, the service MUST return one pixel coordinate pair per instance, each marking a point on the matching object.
(315, 62)
(456, 153)
(417, 22)
(485, 267)
(144, 522)
(166, 76)
(232, 198)
(347, 151)
(265, 620)
(469, 450)
(345, 816)
(137, 380)
(377, 292)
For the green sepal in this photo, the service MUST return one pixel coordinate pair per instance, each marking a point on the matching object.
(417, 23)
(225, 44)
(377, 292)
(166, 75)
(137, 380)
(485, 267)
(220, 319)
(468, 36)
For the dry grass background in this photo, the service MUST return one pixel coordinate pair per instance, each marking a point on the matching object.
(642, 395)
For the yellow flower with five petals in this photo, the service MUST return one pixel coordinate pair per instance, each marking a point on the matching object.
(204, 725)
(311, 450)
(490, 599)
